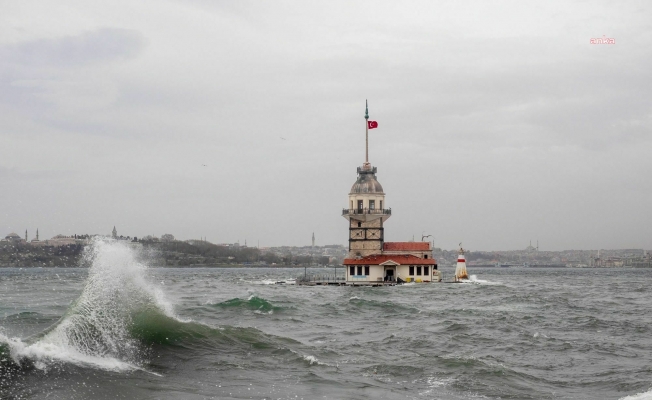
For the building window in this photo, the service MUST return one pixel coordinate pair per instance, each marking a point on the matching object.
(359, 204)
(372, 204)
(381, 204)
(351, 204)
(434, 268)
(411, 270)
(425, 271)
(366, 270)
(359, 224)
(359, 269)
(425, 256)
(419, 270)
(351, 270)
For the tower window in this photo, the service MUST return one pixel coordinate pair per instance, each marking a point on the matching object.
(411, 270)
(360, 204)
(351, 270)
(419, 270)
(425, 256)
(381, 204)
(366, 270)
(372, 204)
(359, 224)
(359, 269)
(425, 270)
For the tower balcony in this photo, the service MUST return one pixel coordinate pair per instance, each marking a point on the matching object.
(366, 214)
(367, 169)
(366, 211)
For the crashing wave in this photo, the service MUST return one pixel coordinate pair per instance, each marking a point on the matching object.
(98, 328)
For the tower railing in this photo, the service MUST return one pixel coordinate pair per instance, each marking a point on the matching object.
(367, 169)
(361, 211)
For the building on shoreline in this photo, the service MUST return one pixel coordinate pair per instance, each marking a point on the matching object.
(13, 237)
(371, 260)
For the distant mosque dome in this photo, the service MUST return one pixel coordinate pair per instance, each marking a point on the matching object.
(13, 236)
(366, 182)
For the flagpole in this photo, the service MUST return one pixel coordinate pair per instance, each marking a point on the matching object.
(366, 125)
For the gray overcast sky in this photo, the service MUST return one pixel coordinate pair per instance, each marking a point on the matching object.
(499, 122)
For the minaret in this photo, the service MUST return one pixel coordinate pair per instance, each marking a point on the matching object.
(114, 234)
(366, 210)
(26, 235)
(460, 269)
(313, 240)
(37, 234)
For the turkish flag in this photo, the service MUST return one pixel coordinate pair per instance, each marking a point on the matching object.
(372, 124)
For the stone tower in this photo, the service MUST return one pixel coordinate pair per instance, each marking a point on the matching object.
(114, 234)
(366, 212)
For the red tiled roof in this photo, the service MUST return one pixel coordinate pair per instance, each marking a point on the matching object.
(402, 259)
(406, 246)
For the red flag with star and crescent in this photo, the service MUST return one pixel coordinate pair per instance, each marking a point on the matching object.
(372, 124)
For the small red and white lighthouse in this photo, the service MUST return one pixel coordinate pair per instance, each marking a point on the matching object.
(460, 270)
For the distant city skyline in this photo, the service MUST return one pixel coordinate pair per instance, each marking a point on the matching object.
(313, 242)
(498, 122)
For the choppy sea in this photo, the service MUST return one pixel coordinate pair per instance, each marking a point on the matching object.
(123, 329)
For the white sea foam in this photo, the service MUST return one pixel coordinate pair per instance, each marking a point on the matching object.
(313, 360)
(639, 396)
(273, 282)
(95, 331)
(436, 383)
(309, 358)
(473, 279)
(43, 354)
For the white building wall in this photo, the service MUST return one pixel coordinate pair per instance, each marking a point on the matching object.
(375, 272)
(403, 272)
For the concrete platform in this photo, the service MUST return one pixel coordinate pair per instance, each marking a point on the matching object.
(343, 283)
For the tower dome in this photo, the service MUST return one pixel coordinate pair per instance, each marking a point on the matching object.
(366, 182)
